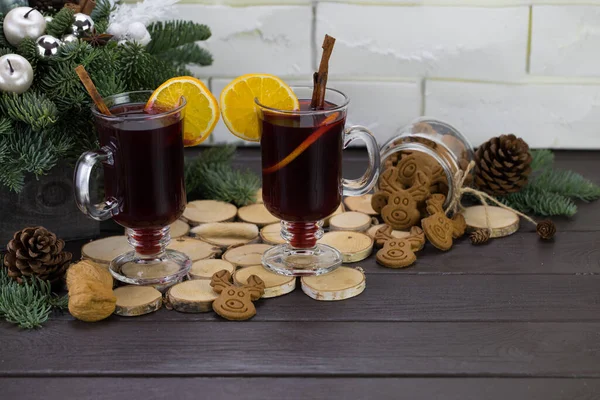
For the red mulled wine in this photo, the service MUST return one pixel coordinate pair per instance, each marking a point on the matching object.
(308, 188)
(147, 174)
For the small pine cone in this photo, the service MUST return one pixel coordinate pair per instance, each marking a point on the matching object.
(36, 252)
(546, 229)
(503, 165)
(480, 236)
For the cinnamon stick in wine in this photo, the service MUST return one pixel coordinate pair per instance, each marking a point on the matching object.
(320, 77)
(92, 91)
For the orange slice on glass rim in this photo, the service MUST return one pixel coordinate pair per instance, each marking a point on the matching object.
(238, 108)
(202, 110)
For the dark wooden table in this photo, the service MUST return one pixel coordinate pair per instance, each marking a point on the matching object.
(515, 319)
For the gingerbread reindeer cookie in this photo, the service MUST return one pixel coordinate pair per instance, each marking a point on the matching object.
(397, 253)
(235, 302)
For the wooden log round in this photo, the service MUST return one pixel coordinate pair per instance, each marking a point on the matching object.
(205, 269)
(226, 234)
(502, 222)
(360, 203)
(256, 214)
(350, 221)
(158, 270)
(275, 284)
(204, 211)
(133, 301)
(103, 251)
(271, 234)
(194, 296)
(179, 228)
(341, 284)
(354, 246)
(195, 249)
(397, 234)
(339, 210)
(246, 255)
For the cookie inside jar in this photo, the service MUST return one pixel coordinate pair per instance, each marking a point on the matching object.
(420, 161)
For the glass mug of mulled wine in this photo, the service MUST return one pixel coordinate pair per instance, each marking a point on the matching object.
(302, 178)
(142, 158)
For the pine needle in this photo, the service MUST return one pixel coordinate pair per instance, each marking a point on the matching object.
(6, 127)
(61, 22)
(566, 183)
(32, 108)
(29, 304)
(541, 159)
(540, 202)
(189, 53)
(167, 35)
(3, 41)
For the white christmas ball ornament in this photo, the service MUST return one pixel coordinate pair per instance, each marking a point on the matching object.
(145, 40)
(137, 31)
(117, 30)
(16, 74)
(23, 22)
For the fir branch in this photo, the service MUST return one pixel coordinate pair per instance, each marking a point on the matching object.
(189, 53)
(222, 182)
(5, 50)
(27, 305)
(541, 159)
(6, 127)
(28, 49)
(3, 41)
(12, 176)
(61, 23)
(141, 70)
(566, 183)
(540, 202)
(35, 154)
(194, 168)
(102, 10)
(32, 108)
(167, 35)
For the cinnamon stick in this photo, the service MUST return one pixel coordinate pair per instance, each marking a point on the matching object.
(87, 6)
(91, 88)
(320, 77)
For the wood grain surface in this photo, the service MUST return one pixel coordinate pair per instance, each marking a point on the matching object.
(515, 319)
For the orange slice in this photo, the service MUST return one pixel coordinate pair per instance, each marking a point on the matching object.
(239, 109)
(201, 112)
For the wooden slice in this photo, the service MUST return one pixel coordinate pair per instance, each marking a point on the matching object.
(354, 246)
(502, 222)
(225, 234)
(350, 221)
(360, 203)
(195, 249)
(204, 269)
(397, 234)
(179, 228)
(203, 211)
(339, 210)
(341, 284)
(247, 255)
(271, 234)
(192, 296)
(275, 284)
(256, 214)
(103, 251)
(159, 270)
(137, 300)
(259, 198)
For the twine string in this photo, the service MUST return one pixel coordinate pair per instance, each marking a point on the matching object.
(455, 204)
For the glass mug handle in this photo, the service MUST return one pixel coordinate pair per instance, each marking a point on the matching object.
(362, 185)
(81, 182)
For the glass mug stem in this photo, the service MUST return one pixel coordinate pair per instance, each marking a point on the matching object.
(149, 243)
(83, 171)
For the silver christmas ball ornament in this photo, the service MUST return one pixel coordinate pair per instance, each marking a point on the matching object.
(83, 24)
(70, 38)
(48, 45)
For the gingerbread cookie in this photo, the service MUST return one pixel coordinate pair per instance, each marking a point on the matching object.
(459, 225)
(420, 187)
(408, 166)
(416, 238)
(435, 203)
(382, 235)
(388, 180)
(439, 229)
(235, 302)
(401, 212)
(379, 200)
(396, 254)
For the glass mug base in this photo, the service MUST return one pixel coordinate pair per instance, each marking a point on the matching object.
(160, 271)
(286, 260)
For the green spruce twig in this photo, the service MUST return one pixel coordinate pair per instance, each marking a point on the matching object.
(566, 183)
(31, 108)
(541, 159)
(29, 304)
(171, 34)
(189, 53)
(3, 41)
(28, 49)
(541, 202)
(61, 22)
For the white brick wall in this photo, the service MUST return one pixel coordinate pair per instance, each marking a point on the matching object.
(530, 67)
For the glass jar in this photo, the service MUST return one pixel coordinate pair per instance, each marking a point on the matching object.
(436, 139)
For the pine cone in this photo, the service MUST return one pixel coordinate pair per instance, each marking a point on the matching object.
(36, 252)
(546, 229)
(480, 236)
(503, 165)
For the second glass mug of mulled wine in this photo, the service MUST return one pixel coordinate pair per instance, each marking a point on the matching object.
(302, 177)
(142, 157)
